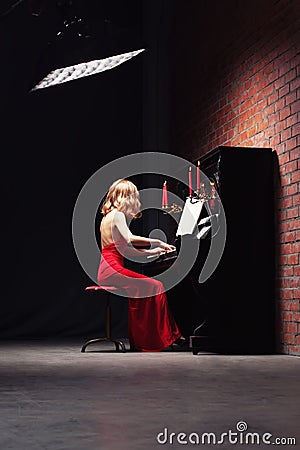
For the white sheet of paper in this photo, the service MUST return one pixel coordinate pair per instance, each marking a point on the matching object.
(203, 232)
(189, 217)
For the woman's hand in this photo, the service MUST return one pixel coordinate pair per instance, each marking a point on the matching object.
(156, 251)
(166, 247)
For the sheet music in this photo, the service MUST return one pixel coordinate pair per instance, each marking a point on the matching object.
(189, 217)
(203, 232)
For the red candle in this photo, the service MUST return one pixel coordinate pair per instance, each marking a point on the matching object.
(198, 176)
(213, 194)
(190, 181)
(165, 195)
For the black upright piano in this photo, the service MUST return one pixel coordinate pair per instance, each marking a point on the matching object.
(234, 310)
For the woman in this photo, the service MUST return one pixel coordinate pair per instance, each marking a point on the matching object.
(151, 326)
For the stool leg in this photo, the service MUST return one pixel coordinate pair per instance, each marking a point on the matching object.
(118, 343)
(108, 321)
(92, 341)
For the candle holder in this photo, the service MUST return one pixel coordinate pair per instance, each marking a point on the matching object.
(204, 194)
(173, 209)
(200, 194)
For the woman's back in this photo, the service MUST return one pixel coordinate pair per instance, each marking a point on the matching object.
(107, 229)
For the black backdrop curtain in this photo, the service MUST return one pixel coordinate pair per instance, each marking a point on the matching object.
(53, 140)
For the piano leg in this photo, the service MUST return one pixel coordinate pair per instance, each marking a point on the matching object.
(202, 343)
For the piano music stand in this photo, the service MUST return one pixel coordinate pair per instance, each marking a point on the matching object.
(189, 217)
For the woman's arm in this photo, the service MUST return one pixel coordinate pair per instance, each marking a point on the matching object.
(120, 222)
(142, 253)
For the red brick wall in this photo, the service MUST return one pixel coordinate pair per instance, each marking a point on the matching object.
(235, 80)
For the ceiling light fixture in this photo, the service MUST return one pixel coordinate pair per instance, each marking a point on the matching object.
(81, 70)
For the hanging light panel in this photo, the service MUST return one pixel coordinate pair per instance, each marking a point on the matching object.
(70, 73)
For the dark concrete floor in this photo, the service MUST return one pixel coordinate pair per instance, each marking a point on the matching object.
(54, 397)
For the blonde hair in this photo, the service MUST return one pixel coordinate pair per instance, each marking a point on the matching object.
(124, 196)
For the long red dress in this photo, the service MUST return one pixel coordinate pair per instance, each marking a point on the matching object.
(151, 326)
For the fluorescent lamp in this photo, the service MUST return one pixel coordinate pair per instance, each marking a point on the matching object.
(81, 70)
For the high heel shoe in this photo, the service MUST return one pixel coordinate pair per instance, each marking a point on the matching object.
(182, 342)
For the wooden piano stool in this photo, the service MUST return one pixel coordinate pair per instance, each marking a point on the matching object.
(108, 291)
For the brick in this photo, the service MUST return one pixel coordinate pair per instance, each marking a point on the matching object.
(277, 58)
(292, 120)
(285, 180)
(287, 203)
(292, 189)
(285, 249)
(282, 92)
(272, 118)
(269, 132)
(289, 327)
(279, 83)
(283, 283)
(295, 107)
(283, 226)
(280, 126)
(280, 104)
(293, 350)
(241, 138)
(287, 237)
(287, 294)
(295, 84)
(274, 140)
(296, 293)
(295, 176)
(284, 158)
(288, 316)
(296, 200)
(284, 68)
(295, 248)
(294, 305)
(284, 113)
(280, 148)
(272, 98)
(295, 61)
(290, 144)
(261, 126)
(285, 134)
(289, 338)
(296, 129)
(290, 98)
(292, 259)
(280, 192)
(292, 212)
(291, 75)
(290, 167)
(286, 271)
(282, 259)
(275, 76)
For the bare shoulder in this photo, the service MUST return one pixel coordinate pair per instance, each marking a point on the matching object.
(118, 215)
